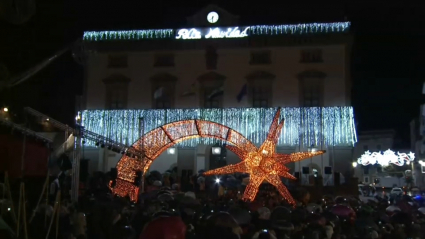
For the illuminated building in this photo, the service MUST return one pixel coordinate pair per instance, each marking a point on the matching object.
(375, 155)
(218, 69)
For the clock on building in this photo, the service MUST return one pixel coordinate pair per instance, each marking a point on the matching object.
(212, 17)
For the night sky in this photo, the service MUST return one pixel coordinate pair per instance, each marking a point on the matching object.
(388, 64)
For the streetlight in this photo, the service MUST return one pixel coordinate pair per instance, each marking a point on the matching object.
(216, 150)
(354, 164)
(171, 150)
(5, 109)
(312, 149)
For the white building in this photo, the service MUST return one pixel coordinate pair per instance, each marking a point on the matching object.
(373, 141)
(171, 74)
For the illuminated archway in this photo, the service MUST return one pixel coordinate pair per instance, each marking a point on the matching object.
(158, 140)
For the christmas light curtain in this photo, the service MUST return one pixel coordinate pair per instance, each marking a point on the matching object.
(332, 126)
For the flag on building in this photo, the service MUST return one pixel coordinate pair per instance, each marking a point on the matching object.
(158, 93)
(242, 93)
(191, 91)
(215, 93)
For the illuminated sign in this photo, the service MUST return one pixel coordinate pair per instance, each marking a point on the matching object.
(212, 33)
(231, 32)
(386, 158)
(189, 34)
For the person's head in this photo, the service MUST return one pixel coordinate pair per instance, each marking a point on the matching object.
(224, 220)
(170, 227)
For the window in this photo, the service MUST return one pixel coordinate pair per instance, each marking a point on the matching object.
(260, 97)
(311, 85)
(164, 60)
(117, 61)
(366, 170)
(311, 97)
(365, 148)
(214, 102)
(260, 58)
(117, 98)
(311, 56)
(211, 83)
(163, 91)
(116, 91)
(378, 147)
(366, 179)
(164, 102)
(260, 92)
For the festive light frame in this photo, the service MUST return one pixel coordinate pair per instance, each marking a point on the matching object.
(263, 163)
(331, 126)
(289, 29)
(158, 140)
(385, 158)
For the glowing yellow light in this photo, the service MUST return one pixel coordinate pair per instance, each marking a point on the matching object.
(5, 109)
(264, 164)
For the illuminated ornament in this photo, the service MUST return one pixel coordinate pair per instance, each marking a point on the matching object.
(386, 158)
(162, 138)
(264, 164)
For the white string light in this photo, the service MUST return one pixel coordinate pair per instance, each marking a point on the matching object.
(300, 124)
(386, 158)
(287, 29)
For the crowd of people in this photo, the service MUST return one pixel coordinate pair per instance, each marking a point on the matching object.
(208, 211)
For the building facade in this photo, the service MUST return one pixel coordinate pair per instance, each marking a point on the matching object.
(372, 141)
(217, 69)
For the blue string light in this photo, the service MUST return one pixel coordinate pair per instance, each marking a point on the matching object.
(289, 29)
(334, 126)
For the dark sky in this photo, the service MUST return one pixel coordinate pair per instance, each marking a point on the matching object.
(387, 63)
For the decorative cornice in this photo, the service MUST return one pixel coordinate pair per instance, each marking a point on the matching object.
(163, 77)
(116, 78)
(311, 74)
(211, 76)
(257, 75)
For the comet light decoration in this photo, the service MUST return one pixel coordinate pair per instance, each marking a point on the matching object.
(386, 158)
(263, 163)
(158, 140)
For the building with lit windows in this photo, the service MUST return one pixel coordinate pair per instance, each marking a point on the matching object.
(220, 70)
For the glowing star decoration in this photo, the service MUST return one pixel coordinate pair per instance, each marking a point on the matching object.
(264, 164)
(386, 158)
